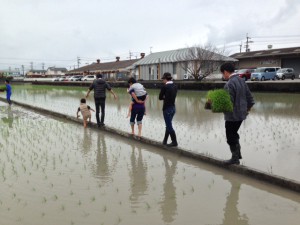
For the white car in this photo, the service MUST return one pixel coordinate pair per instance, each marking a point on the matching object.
(75, 78)
(62, 78)
(89, 78)
(55, 79)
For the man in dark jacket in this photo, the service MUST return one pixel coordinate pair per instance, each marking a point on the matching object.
(99, 86)
(242, 101)
(168, 94)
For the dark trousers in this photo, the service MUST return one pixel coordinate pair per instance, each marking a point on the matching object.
(232, 135)
(168, 116)
(137, 114)
(8, 98)
(100, 102)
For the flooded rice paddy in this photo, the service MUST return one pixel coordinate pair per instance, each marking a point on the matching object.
(53, 171)
(270, 137)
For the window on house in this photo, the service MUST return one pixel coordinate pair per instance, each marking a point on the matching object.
(174, 68)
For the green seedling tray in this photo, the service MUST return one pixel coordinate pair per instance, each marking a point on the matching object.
(219, 101)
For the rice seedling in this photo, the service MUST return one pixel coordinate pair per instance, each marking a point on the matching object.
(104, 209)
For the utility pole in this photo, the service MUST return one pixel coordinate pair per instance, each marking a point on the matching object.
(78, 62)
(43, 66)
(31, 65)
(151, 49)
(241, 45)
(23, 69)
(130, 54)
(247, 43)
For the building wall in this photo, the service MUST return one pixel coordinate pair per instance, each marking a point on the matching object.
(259, 62)
(150, 72)
(54, 72)
(292, 63)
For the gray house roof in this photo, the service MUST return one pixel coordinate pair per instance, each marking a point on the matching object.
(107, 66)
(178, 55)
(58, 69)
(295, 51)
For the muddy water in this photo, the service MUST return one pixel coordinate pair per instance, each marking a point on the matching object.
(269, 137)
(56, 172)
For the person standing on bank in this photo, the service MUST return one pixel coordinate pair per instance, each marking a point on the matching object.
(168, 94)
(99, 86)
(137, 111)
(242, 101)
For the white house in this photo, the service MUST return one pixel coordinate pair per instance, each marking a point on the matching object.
(54, 71)
(153, 66)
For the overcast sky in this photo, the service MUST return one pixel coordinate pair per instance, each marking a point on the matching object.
(56, 32)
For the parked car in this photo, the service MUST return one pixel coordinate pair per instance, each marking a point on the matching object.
(76, 78)
(224, 79)
(63, 78)
(66, 78)
(245, 73)
(89, 78)
(285, 73)
(264, 73)
(55, 79)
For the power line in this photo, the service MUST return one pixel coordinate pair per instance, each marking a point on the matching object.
(277, 36)
(37, 59)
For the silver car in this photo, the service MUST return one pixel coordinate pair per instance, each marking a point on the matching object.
(284, 73)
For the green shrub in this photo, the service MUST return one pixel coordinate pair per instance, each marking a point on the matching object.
(220, 100)
(2, 88)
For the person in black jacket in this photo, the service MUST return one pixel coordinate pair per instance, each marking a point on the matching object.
(99, 85)
(168, 94)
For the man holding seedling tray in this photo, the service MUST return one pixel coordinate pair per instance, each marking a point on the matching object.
(242, 101)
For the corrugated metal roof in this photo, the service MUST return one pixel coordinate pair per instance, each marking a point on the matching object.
(271, 52)
(177, 55)
(106, 66)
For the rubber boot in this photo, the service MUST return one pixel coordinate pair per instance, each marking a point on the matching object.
(174, 140)
(165, 141)
(239, 150)
(235, 155)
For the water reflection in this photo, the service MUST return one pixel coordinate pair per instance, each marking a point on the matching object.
(231, 212)
(103, 169)
(86, 142)
(137, 175)
(273, 121)
(9, 119)
(168, 204)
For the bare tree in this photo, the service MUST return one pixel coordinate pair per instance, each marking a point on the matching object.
(202, 61)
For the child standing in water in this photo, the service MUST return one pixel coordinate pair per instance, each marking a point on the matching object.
(85, 111)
